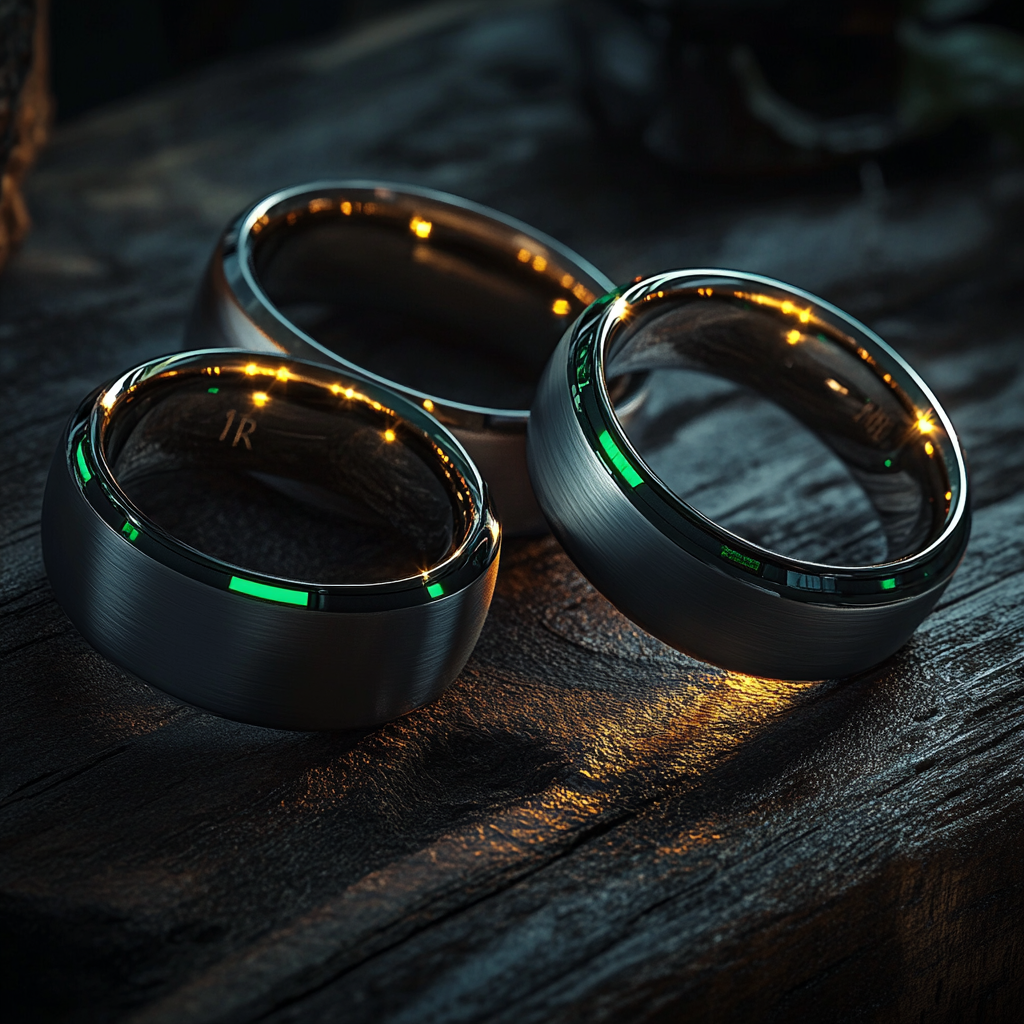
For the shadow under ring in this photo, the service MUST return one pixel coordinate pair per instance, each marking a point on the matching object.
(683, 577)
(350, 591)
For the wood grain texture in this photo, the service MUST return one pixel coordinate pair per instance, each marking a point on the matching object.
(589, 825)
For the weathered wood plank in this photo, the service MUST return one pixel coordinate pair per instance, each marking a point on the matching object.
(589, 825)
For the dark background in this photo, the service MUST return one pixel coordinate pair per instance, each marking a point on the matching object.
(107, 49)
(589, 825)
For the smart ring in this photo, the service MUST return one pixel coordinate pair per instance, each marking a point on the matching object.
(455, 305)
(279, 542)
(685, 578)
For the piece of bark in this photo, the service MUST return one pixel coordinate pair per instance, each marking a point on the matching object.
(26, 110)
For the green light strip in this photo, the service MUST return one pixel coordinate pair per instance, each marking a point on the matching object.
(889, 584)
(435, 590)
(265, 592)
(83, 467)
(129, 530)
(740, 559)
(212, 391)
(629, 474)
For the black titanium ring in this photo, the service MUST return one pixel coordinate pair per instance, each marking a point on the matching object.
(446, 235)
(684, 578)
(272, 650)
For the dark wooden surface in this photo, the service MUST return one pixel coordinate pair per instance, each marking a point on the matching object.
(588, 826)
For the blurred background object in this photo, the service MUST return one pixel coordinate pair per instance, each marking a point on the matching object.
(25, 109)
(748, 86)
(713, 86)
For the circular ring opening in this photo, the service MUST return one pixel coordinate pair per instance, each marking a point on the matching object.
(286, 470)
(440, 296)
(763, 400)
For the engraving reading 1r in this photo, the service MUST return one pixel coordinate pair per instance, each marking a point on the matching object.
(246, 426)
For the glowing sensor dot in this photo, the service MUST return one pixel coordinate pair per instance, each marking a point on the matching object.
(420, 228)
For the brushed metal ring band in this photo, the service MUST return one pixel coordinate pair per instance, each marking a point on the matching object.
(684, 578)
(277, 649)
(428, 254)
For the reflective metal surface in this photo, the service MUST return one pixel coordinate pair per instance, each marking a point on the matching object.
(454, 304)
(283, 543)
(686, 579)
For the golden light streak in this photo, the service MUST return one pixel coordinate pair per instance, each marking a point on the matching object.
(794, 337)
(108, 400)
(260, 397)
(836, 386)
(929, 448)
(252, 369)
(346, 208)
(561, 307)
(283, 374)
(389, 435)
(925, 425)
(786, 306)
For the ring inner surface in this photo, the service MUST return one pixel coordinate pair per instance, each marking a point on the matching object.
(467, 315)
(286, 477)
(782, 429)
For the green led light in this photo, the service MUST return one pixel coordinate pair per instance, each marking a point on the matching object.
(435, 590)
(888, 463)
(83, 466)
(629, 474)
(268, 593)
(889, 584)
(129, 531)
(738, 558)
(213, 391)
